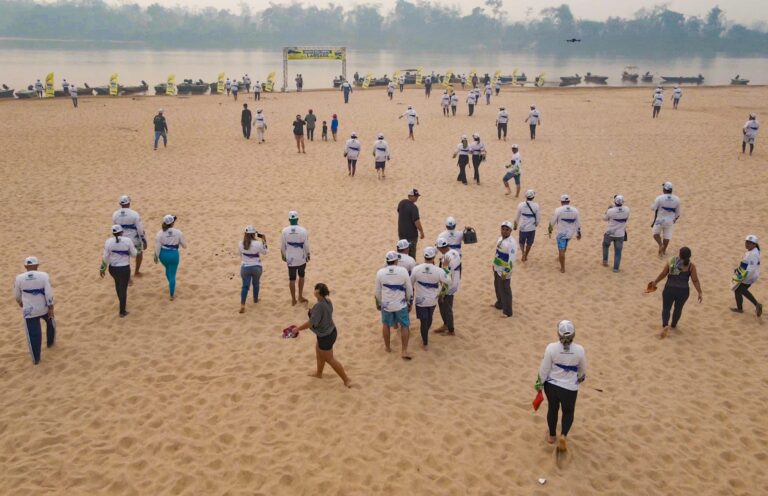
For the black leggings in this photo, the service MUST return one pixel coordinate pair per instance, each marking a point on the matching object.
(351, 165)
(676, 297)
(533, 131)
(476, 161)
(424, 314)
(463, 161)
(502, 130)
(557, 398)
(743, 292)
(121, 275)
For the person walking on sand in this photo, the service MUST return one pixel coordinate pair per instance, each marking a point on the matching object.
(455, 238)
(477, 149)
(412, 119)
(562, 369)
(656, 102)
(298, 133)
(167, 244)
(391, 89)
(324, 133)
(501, 122)
(321, 323)
(235, 89)
(261, 125)
(471, 101)
(666, 211)
(463, 151)
(533, 120)
(513, 171)
(34, 294)
(247, 83)
(73, 94)
(678, 270)
(527, 219)
(294, 249)
(352, 152)
(118, 251)
(404, 259)
(454, 103)
(445, 103)
(402, 82)
(394, 295)
(428, 86)
(334, 126)
(257, 91)
(566, 219)
(380, 155)
(161, 128)
(463, 81)
(747, 274)
(39, 88)
(346, 88)
(133, 229)
(450, 262)
(617, 217)
(503, 263)
(427, 280)
(750, 134)
(409, 222)
(310, 119)
(251, 248)
(228, 86)
(488, 93)
(677, 94)
(245, 121)
(498, 86)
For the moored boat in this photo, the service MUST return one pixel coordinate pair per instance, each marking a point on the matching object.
(570, 80)
(647, 77)
(630, 74)
(198, 87)
(739, 81)
(683, 79)
(591, 78)
(6, 92)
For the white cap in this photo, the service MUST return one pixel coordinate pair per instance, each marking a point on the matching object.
(353, 135)
(618, 200)
(667, 186)
(441, 243)
(515, 146)
(410, 107)
(463, 137)
(249, 229)
(160, 111)
(117, 228)
(403, 244)
(430, 252)
(565, 198)
(565, 328)
(753, 115)
(258, 111)
(502, 108)
(125, 200)
(450, 222)
(530, 194)
(380, 136)
(391, 256)
(293, 215)
(169, 219)
(476, 136)
(31, 261)
(751, 238)
(414, 192)
(533, 106)
(507, 224)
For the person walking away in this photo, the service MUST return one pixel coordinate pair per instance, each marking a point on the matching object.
(321, 323)
(298, 133)
(566, 218)
(352, 152)
(118, 251)
(513, 171)
(310, 119)
(39, 88)
(334, 126)
(471, 101)
(324, 134)
(445, 103)
(402, 82)
(562, 370)
(161, 128)
(427, 280)
(261, 125)
(252, 248)
(428, 86)
(257, 91)
(247, 83)
(454, 103)
(73, 94)
(478, 155)
(533, 120)
(501, 122)
(617, 217)
(409, 222)
(167, 244)
(666, 211)
(488, 93)
(658, 99)
(750, 134)
(455, 238)
(294, 250)
(677, 94)
(394, 294)
(404, 260)
(34, 294)
(463, 81)
(228, 86)
(503, 263)
(747, 274)
(678, 270)
(346, 88)
(498, 86)
(463, 151)
(527, 219)
(235, 89)
(133, 229)
(412, 118)
(390, 90)
(245, 121)
(450, 262)
(380, 155)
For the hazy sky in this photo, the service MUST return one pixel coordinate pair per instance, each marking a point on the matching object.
(744, 11)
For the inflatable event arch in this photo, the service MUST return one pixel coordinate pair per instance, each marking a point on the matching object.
(313, 53)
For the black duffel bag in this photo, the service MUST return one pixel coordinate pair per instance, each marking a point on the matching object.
(470, 236)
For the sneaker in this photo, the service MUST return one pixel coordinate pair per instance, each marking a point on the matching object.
(737, 310)
(759, 309)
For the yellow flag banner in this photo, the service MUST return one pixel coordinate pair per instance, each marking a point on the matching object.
(49, 91)
(396, 77)
(269, 87)
(447, 78)
(113, 86)
(420, 76)
(170, 88)
(298, 53)
(514, 76)
(496, 76)
(221, 84)
(367, 80)
(540, 80)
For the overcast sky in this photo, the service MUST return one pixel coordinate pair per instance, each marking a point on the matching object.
(743, 11)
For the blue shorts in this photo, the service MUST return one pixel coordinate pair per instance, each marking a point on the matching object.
(562, 243)
(509, 176)
(400, 317)
(527, 237)
(410, 127)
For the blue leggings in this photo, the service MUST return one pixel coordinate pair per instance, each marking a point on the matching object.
(250, 275)
(170, 259)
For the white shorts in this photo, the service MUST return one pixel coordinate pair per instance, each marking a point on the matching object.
(748, 140)
(664, 230)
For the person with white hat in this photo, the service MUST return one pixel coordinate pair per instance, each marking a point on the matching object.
(666, 212)
(445, 102)
(228, 86)
(750, 134)
(34, 294)
(247, 83)
(401, 82)
(513, 171)
(527, 219)
(677, 94)
(477, 148)
(130, 221)
(453, 236)
(260, 121)
(404, 259)
(463, 151)
(562, 370)
(454, 103)
(566, 218)
(488, 93)
(658, 100)
(409, 221)
(394, 295)
(39, 88)
(257, 91)
(167, 243)
(380, 155)
(251, 248)
(428, 281)
(412, 118)
(471, 102)
(747, 274)
(391, 89)
(503, 263)
(678, 271)
(73, 94)
(235, 88)
(501, 122)
(427, 86)
(450, 261)
(118, 251)
(294, 248)
(352, 152)
(617, 217)
(497, 86)
(161, 128)
(533, 120)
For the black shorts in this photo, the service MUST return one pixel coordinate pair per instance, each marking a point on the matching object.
(381, 165)
(293, 270)
(325, 343)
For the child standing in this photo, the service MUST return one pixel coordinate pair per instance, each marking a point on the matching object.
(324, 136)
(334, 126)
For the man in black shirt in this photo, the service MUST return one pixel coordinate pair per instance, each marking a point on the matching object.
(245, 120)
(408, 221)
(161, 128)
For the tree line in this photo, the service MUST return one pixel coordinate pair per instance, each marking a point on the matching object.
(419, 25)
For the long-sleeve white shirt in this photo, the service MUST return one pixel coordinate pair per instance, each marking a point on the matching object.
(381, 150)
(658, 99)
(528, 216)
(451, 260)
(471, 98)
(118, 251)
(33, 290)
(393, 288)
(454, 237)
(410, 116)
(352, 148)
(463, 150)
(667, 208)
(454, 100)
(617, 218)
(503, 117)
(563, 368)
(260, 120)
(428, 280)
(506, 251)
(677, 93)
(295, 246)
(566, 219)
(533, 117)
(477, 148)
(750, 128)
(252, 256)
(170, 239)
(751, 263)
(130, 221)
(445, 100)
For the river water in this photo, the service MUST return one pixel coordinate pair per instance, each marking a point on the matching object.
(21, 66)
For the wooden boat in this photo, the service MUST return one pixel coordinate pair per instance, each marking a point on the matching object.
(591, 78)
(130, 90)
(683, 79)
(6, 92)
(630, 74)
(739, 81)
(570, 80)
(508, 79)
(188, 87)
(647, 77)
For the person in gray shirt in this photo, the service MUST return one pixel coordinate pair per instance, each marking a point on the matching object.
(310, 119)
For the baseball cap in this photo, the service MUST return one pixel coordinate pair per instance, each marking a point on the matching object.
(169, 219)
(31, 261)
(502, 108)
(533, 106)
(380, 136)
(751, 238)
(476, 136)
(414, 192)
(463, 137)
(403, 244)
(117, 228)
(618, 200)
(125, 200)
(530, 194)
(249, 229)
(565, 328)
(353, 135)
(753, 115)
(258, 111)
(667, 186)
(515, 146)
(506, 223)
(430, 252)
(450, 222)
(293, 215)
(160, 111)
(410, 107)
(441, 243)
(391, 256)
(565, 198)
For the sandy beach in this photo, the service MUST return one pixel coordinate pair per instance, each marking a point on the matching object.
(190, 397)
